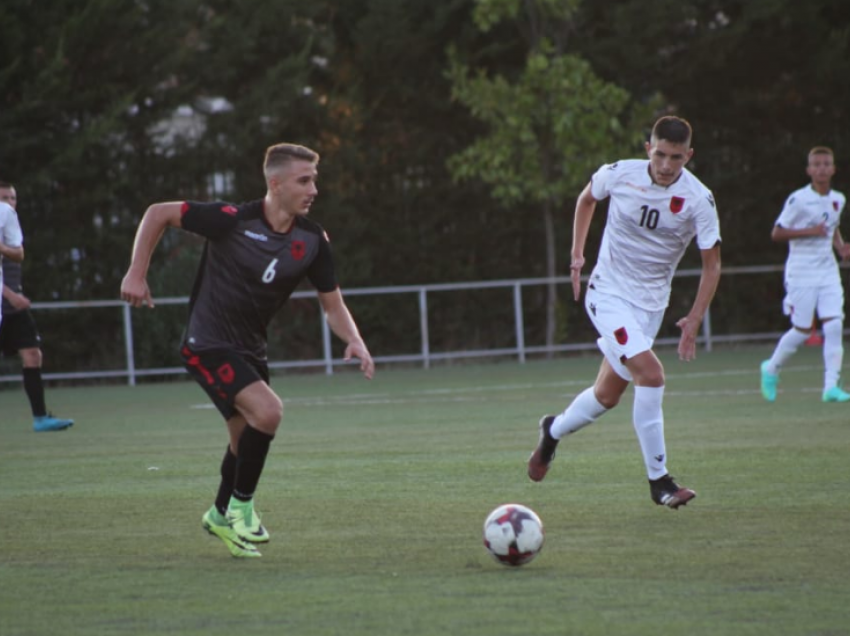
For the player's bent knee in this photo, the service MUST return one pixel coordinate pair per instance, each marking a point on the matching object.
(608, 401)
(31, 357)
(267, 417)
(609, 394)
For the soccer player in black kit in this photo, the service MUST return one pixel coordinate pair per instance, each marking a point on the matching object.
(254, 257)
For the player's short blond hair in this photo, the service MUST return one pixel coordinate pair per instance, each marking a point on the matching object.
(279, 155)
(821, 150)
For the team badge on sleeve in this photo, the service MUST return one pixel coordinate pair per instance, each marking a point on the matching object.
(676, 204)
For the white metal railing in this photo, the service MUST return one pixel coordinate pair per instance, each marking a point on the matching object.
(425, 355)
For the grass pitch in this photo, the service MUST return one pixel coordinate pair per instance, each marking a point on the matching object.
(375, 493)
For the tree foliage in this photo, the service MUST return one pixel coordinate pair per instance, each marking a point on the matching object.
(546, 132)
(536, 94)
(548, 128)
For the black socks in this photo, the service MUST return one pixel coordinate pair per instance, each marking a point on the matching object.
(253, 448)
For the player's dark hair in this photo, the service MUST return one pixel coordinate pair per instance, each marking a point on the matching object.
(673, 129)
(279, 155)
(6, 185)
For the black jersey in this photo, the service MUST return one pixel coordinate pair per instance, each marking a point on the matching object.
(247, 272)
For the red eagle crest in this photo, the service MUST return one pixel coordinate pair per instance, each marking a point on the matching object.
(676, 204)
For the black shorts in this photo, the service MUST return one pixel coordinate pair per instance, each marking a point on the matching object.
(18, 331)
(223, 374)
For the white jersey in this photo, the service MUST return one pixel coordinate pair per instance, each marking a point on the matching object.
(811, 260)
(648, 229)
(10, 232)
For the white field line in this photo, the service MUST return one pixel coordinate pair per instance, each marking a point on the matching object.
(464, 394)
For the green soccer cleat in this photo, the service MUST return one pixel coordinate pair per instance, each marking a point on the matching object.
(836, 394)
(257, 532)
(213, 517)
(216, 524)
(246, 521)
(769, 381)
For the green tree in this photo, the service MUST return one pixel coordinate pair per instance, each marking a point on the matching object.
(548, 127)
(394, 214)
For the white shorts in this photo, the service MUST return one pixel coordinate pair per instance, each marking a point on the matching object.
(801, 304)
(625, 330)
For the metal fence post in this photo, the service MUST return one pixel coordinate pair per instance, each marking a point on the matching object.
(519, 322)
(423, 327)
(326, 344)
(128, 345)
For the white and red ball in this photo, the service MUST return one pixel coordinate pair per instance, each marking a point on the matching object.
(513, 534)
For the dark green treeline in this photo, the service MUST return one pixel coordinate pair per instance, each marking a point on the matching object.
(106, 107)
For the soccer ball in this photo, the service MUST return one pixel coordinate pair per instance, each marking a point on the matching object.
(513, 534)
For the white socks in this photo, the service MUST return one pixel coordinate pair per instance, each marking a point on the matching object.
(833, 352)
(584, 410)
(648, 422)
(649, 426)
(785, 348)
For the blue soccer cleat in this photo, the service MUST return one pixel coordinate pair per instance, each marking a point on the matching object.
(44, 423)
(836, 394)
(769, 381)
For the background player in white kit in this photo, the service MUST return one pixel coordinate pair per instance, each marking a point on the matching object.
(19, 334)
(656, 208)
(11, 238)
(809, 222)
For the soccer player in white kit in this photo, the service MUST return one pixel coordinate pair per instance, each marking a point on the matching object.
(656, 209)
(11, 238)
(809, 222)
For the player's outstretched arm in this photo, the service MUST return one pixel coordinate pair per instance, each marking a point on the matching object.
(12, 253)
(690, 324)
(840, 246)
(18, 301)
(585, 207)
(342, 324)
(780, 234)
(134, 287)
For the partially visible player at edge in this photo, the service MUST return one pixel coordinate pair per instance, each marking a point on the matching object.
(809, 222)
(19, 335)
(254, 257)
(11, 239)
(656, 209)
